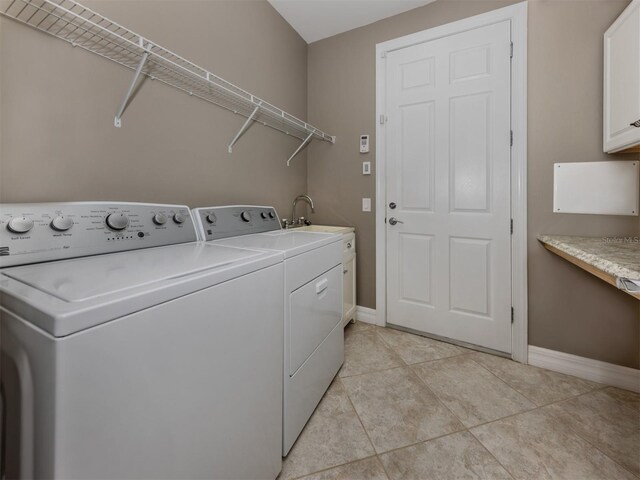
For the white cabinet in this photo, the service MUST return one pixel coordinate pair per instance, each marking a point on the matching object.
(349, 277)
(622, 82)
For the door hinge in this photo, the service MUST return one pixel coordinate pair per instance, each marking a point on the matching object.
(511, 50)
(383, 54)
(383, 119)
(512, 314)
(511, 138)
(512, 226)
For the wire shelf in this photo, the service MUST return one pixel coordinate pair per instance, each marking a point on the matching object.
(84, 28)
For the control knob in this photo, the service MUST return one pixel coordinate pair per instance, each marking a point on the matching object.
(271, 215)
(211, 218)
(117, 221)
(179, 218)
(245, 216)
(264, 215)
(61, 223)
(160, 219)
(20, 224)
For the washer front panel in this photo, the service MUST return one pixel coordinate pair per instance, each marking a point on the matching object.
(40, 232)
(231, 221)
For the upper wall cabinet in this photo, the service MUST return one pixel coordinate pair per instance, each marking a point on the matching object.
(622, 82)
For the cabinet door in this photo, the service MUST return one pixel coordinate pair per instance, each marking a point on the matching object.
(622, 80)
(349, 292)
(349, 244)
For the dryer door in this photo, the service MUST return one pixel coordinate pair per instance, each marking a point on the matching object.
(316, 308)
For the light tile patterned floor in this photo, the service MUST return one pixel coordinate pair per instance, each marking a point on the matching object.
(408, 407)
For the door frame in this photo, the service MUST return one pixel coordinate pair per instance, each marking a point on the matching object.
(517, 13)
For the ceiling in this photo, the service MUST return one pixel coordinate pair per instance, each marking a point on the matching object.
(318, 19)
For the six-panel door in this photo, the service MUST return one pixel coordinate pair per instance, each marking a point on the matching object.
(448, 171)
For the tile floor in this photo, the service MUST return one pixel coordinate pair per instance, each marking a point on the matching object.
(408, 407)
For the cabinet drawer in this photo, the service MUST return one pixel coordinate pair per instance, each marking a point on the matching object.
(348, 243)
(315, 309)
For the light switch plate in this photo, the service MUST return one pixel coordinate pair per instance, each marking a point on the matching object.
(366, 168)
(366, 204)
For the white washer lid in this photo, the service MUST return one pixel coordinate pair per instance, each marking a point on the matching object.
(289, 242)
(68, 296)
(87, 278)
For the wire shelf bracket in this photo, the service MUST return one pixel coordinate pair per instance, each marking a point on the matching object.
(118, 120)
(76, 24)
(299, 149)
(244, 128)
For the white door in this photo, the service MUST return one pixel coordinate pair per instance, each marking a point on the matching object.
(448, 174)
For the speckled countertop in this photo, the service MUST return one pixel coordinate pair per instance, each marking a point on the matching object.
(617, 256)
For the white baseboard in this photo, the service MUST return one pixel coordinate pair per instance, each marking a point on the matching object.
(366, 315)
(587, 368)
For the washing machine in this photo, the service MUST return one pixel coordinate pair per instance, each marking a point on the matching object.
(131, 350)
(313, 334)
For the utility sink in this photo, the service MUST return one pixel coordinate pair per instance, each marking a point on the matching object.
(325, 229)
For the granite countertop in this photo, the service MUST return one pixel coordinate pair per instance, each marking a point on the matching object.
(616, 256)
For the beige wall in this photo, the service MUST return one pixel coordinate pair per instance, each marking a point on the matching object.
(58, 104)
(569, 310)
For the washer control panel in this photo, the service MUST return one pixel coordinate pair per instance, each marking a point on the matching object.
(214, 223)
(40, 232)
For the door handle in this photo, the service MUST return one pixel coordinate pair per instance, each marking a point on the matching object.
(393, 221)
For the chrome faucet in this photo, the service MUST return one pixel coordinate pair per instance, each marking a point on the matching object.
(298, 221)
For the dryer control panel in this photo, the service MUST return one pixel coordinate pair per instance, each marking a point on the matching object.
(214, 223)
(40, 232)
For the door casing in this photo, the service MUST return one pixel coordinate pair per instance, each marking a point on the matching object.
(518, 15)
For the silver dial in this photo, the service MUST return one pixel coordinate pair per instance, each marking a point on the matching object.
(160, 219)
(211, 218)
(271, 215)
(179, 218)
(61, 223)
(20, 224)
(245, 216)
(263, 214)
(117, 221)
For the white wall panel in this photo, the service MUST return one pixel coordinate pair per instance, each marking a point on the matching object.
(605, 188)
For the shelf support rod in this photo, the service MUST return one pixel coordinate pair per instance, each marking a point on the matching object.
(244, 127)
(118, 120)
(302, 145)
